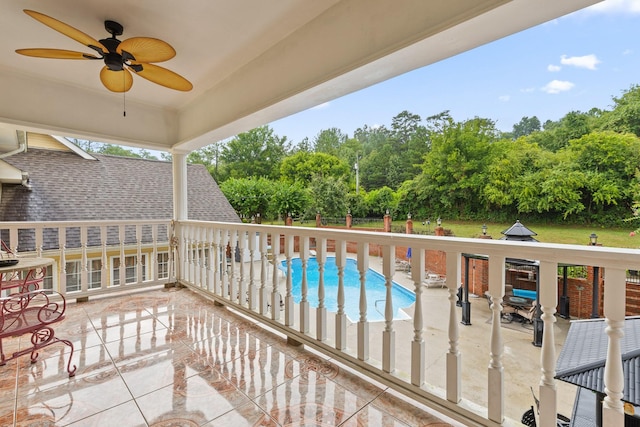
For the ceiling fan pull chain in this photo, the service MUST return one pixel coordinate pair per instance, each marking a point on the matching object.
(124, 97)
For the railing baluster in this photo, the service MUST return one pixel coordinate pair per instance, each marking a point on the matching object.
(211, 264)
(123, 266)
(341, 317)
(233, 288)
(496, 369)
(614, 312)
(242, 290)
(388, 335)
(13, 240)
(264, 270)
(548, 302)
(289, 314)
(62, 244)
(363, 324)
(252, 284)
(224, 241)
(154, 252)
(321, 312)
(304, 302)
(83, 259)
(454, 362)
(104, 265)
(39, 232)
(139, 265)
(275, 295)
(218, 260)
(418, 355)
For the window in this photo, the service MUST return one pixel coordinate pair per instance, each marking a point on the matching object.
(163, 265)
(74, 275)
(47, 281)
(95, 273)
(130, 269)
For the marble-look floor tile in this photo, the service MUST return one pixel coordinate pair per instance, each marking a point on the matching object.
(145, 375)
(260, 369)
(196, 399)
(247, 415)
(52, 371)
(410, 413)
(141, 346)
(125, 415)
(310, 400)
(72, 401)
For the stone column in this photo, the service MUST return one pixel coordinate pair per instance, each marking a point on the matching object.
(349, 219)
(288, 221)
(318, 220)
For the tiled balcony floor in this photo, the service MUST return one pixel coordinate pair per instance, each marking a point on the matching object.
(171, 358)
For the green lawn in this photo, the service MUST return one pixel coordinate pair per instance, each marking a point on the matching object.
(569, 234)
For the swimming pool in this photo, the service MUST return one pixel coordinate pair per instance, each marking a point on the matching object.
(375, 285)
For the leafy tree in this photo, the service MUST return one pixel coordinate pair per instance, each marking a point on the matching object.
(625, 116)
(249, 196)
(117, 150)
(328, 196)
(381, 200)
(526, 126)
(456, 165)
(329, 141)
(289, 198)
(254, 153)
(303, 167)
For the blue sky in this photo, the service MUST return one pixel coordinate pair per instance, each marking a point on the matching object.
(574, 63)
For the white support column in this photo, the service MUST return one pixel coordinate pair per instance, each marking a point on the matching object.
(418, 354)
(495, 387)
(614, 312)
(179, 162)
(454, 359)
(548, 300)
(363, 324)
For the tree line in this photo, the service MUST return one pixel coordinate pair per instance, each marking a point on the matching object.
(582, 168)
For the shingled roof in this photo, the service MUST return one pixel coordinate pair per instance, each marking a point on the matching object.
(581, 361)
(66, 187)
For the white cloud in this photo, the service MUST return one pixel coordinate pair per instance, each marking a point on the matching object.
(553, 68)
(504, 98)
(557, 86)
(528, 90)
(615, 6)
(587, 61)
(322, 106)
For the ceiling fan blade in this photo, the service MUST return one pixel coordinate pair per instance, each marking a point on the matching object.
(116, 81)
(65, 29)
(163, 77)
(147, 49)
(55, 53)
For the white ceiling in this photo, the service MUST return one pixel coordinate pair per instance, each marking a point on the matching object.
(250, 61)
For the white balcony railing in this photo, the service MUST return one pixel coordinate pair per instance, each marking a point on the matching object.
(96, 257)
(255, 288)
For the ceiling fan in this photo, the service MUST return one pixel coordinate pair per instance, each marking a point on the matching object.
(135, 54)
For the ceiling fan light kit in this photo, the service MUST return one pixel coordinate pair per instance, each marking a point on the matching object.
(136, 54)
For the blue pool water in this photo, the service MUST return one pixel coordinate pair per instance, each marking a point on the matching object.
(375, 286)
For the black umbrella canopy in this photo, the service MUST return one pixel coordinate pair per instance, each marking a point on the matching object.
(519, 232)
